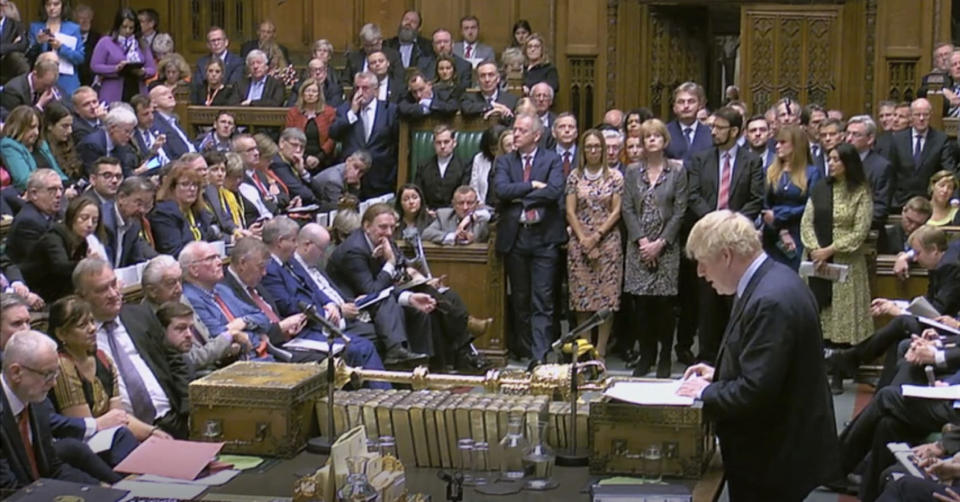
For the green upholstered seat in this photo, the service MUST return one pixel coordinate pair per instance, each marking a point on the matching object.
(421, 147)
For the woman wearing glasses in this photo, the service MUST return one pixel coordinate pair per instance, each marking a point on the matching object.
(181, 216)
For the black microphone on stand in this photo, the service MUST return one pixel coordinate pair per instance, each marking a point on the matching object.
(313, 316)
(323, 444)
(598, 318)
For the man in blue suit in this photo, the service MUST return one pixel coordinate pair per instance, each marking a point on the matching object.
(369, 124)
(218, 43)
(687, 135)
(768, 386)
(166, 121)
(529, 183)
(114, 140)
(121, 219)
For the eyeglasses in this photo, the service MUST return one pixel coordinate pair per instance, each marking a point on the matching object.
(48, 376)
(111, 176)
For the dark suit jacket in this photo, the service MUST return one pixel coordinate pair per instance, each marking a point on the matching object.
(295, 185)
(474, 103)
(892, 239)
(355, 270)
(288, 288)
(49, 267)
(82, 128)
(332, 92)
(382, 145)
(16, 471)
(28, 227)
(943, 289)
(11, 30)
(428, 66)
(770, 388)
(94, 146)
(175, 145)
(232, 73)
(446, 101)
(396, 89)
(134, 249)
(422, 48)
(16, 92)
(517, 196)
(227, 96)
(356, 59)
(144, 149)
(910, 179)
(879, 172)
(272, 94)
(437, 190)
(884, 144)
(171, 228)
(543, 72)
(746, 186)
(678, 149)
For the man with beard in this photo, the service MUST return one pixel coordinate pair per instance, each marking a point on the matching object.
(408, 41)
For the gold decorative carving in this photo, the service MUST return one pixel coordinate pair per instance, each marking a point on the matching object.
(902, 75)
(871, 49)
(583, 81)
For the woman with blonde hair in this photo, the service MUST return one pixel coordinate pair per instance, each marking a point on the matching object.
(789, 179)
(173, 72)
(654, 203)
(314, 117)
(214, 90)
(594, 256)
(538, 67)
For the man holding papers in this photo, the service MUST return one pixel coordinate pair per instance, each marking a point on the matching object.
(768, 393)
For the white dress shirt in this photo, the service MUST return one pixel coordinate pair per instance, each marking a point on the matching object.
(159, 398)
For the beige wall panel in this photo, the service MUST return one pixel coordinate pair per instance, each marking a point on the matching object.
(334, 21)
(438, 14)
(292, 32)
(496, 19)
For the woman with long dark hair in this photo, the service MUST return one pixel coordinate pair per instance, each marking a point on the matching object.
(482, 171)
(23, 148)
(122, 60)
(412, 209)
(58, 131)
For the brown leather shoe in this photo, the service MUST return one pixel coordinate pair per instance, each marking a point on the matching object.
(478, 327)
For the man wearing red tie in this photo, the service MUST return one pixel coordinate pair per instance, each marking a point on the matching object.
(723, 177)
(30, 368)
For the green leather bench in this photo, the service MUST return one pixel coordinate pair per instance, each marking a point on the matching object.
(416, 142)
(421, 147)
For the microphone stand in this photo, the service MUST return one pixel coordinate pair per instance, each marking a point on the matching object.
(323, 444)
(572, 457)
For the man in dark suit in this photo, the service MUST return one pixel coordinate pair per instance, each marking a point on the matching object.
(757, 135)
(368, 262)
(259, 89)
(266, 33)
(371, 39)
(370, 124)
(529, 183)
(469, 48)
(861, 133)
(918, 152)
(408, 42)
(687, 135)
(123, 239)
(726, 176)
(440, 175)
(153, 385)
(88, 115)
(812, 119)
(317, 70)
(178, 142)
(334, 182)
(149, 140)
(36, 88)
(388, 88)
(30, 367)
(893, 237)
(542, 95)
(289, 165)
(565, 138)
(491, 100)
(768, 386)
(83, 16)
(443, 46)
(13, 46)
(218, 43)
(44, 194)
(420, 100)
(112, 141)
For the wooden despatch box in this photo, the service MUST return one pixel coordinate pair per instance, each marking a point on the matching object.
(620, 432)
(257, 408)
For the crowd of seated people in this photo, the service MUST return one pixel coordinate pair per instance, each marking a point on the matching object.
(99, 173)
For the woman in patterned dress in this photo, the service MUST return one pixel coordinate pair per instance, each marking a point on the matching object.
(594, 256)
(654, 201)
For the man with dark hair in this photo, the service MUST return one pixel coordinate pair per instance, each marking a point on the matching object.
(388, 88)
(149, 139)
(491, 100)
(687, 135)
(469, 48)
(123, 223)
(441, 174)
(443, 46)
(421, 100)
(408, 42)
(894, 236)
(811, 116)
(218, 44)
(334, 182)
(105, 177)
(220, 135)
(830, 134)
(757, 132)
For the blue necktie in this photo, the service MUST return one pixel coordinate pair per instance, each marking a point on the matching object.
(917, 152)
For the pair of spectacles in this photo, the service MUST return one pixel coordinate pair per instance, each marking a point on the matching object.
(48, 376)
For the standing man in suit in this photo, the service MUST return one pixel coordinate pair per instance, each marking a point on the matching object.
(218, 44)
(177, 143)
(861, 133)
(83, 16)
(440, 175)
(757, 135)
(726, 176)
(408, 42)
(44, 194)
(614, 145)
(259, 89)
(122, 225)
(811, 118)
(88, 114)
(461, 224)
(370, 124)
(469, 48)
(13, 46)
(30, 368)
(529, 183)
(768, 386)
(371, 39)
(113, 141)
(565, 136)
(388, 88)
(443, 46)
(334, 182)
(491, 100)
(153, 384)
(542, 95)
(918, 152)
(687, 135)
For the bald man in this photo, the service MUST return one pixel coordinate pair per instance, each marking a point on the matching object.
(917, 153)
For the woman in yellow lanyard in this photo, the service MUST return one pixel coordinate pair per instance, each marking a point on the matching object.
(181, 215)
(221, 196)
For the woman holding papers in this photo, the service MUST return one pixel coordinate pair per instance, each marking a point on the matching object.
(54, 33)
(834, 228)
(122, 61)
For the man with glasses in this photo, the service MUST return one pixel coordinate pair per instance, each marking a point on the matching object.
(44, 194)
(918, 152)
(862, 133)
(125, 240)
(30, 368)
(317, 70)
(218, 43)
(290, 166)
(113, 141)
(105, 177)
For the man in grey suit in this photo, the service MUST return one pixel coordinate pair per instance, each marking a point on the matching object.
(461, 224)
(332, 183)
(861, 133)
(469, 48)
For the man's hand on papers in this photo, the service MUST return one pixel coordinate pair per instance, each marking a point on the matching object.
(696, 378)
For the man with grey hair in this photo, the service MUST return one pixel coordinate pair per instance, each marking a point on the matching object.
(529, 183)
(334, 182)
(290, 166)
(371, 39)
(44, 194)
(370, 124)
(769, 385)
(918, 152)
(123, 222)
(30, 370)
(862, 133)
(161, 284)
(542, 96)
(614, 145)
(112, 141)
(258, 88)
